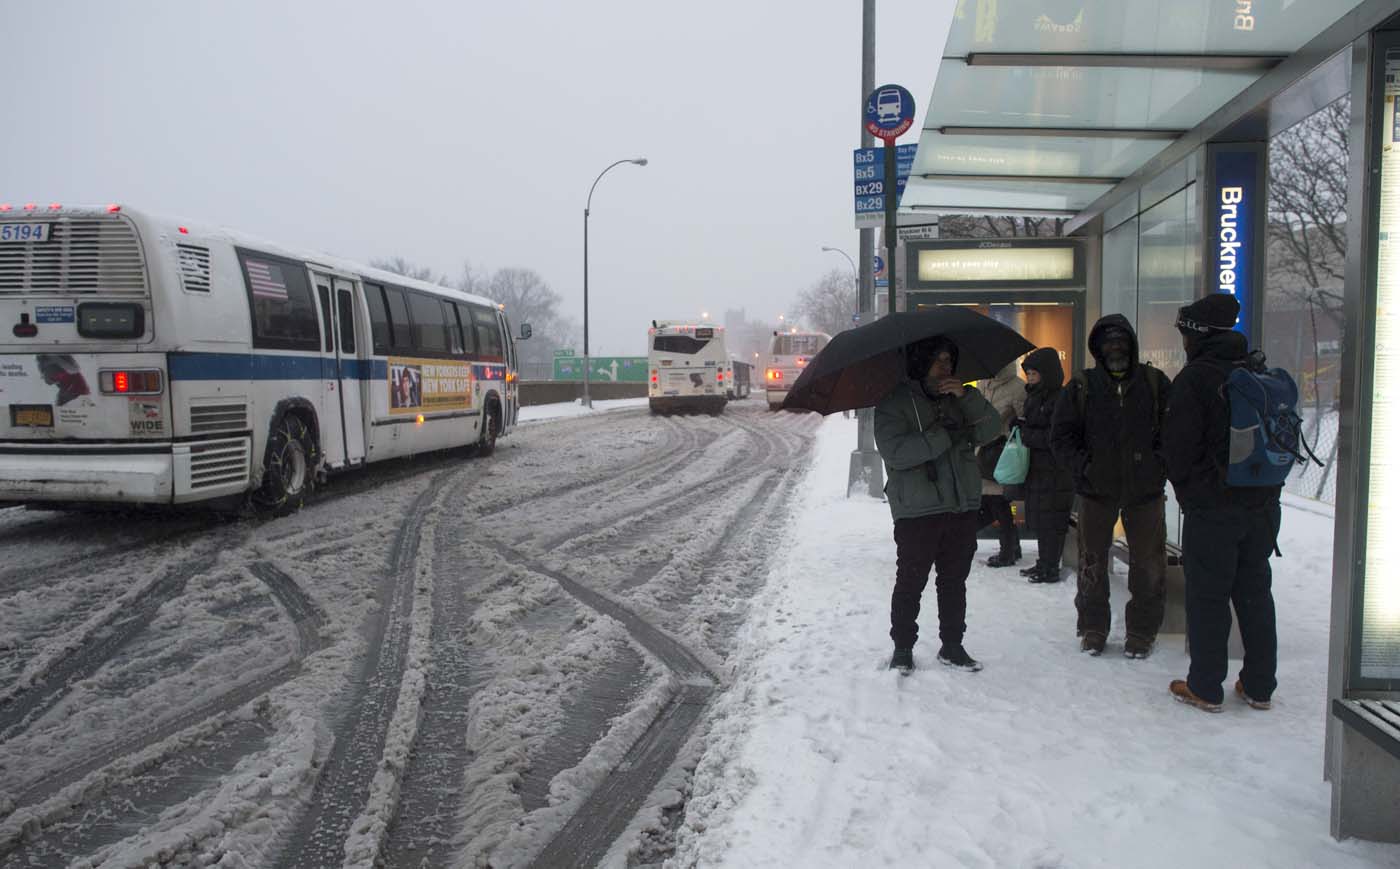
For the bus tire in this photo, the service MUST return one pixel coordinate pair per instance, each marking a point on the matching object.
(490, 430)
(289, 469)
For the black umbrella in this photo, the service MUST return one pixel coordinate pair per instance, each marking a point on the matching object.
(860, 366)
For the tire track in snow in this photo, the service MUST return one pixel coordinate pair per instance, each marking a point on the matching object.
(345, 781)
(194, 723)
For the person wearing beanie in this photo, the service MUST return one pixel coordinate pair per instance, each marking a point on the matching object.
(1106, 430)
(1228, 533)
(1049, 484)
(927, 430)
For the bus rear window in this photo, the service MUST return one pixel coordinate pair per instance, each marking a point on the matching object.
(796, 345)
(678, 344)
(111, 320)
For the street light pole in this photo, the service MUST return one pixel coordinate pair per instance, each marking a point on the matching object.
(849, 260)
(587, 365)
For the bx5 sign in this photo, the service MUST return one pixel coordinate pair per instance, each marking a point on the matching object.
(1234, 211)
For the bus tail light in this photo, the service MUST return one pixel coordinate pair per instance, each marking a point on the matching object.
(719, 376)
(123, 382)
(774, 374)
(653, 375)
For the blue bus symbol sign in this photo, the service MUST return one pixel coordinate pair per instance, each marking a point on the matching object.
(889, 112)
(879, 267)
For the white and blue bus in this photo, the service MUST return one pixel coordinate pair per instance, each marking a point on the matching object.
(156, 361)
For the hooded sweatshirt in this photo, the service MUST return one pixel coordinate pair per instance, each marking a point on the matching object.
(1107, 429)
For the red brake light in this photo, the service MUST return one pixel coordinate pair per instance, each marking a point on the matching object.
(720, 377)
(54, 206)
(5, 206)
(121, 382)
(184, 231)
(113, 208)
(29, 206)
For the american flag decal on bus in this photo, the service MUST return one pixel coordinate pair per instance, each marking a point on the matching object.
(266, 280)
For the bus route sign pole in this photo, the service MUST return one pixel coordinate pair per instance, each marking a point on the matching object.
(889, 113)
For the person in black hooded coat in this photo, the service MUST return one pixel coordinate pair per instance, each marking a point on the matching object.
(1049, 485)
(1108, 432)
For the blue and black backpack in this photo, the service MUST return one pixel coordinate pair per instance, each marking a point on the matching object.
(1266, 433)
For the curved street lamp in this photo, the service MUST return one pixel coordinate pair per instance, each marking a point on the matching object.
(848, 259)
(640, 161)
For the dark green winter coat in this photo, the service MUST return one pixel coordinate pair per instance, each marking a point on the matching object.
(930, 449)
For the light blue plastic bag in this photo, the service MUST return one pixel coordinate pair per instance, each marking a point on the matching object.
(1015, 461)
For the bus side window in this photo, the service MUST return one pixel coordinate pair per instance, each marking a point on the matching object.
(347, 322)
(378, 318)
(398, 319)
(328, 341)
(488, 334)
(429, 330)
(281, 301)
(454, 329)
(464, 317)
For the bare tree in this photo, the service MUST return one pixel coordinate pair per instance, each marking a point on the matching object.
(400, 266)
(989, 226)
(828, 304)
(1308, 209)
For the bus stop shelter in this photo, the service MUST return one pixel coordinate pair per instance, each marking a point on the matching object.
(1149, 131)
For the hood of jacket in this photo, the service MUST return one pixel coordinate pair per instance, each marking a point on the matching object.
(1219, 346)
(1046, 360)
(1096, 339)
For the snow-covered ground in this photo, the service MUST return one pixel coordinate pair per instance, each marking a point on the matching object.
(817, 755)
(538, 412)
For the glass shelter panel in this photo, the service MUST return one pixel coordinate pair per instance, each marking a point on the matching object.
(1303, 282)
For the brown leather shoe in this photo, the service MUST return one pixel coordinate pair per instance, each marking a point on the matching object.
(1253, 704)
(1182, 692)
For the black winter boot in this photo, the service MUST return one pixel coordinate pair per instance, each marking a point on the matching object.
(903, 661)
(957, 656)
(1031, 571)
(1005, 558)
(1046, 574)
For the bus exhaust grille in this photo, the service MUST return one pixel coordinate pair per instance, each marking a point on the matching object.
(218, 463)
(194, 267)
(81, 256)
(206, 418)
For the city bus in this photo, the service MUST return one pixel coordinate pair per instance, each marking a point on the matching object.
(788, 354)
(156, 361)
(688, 367)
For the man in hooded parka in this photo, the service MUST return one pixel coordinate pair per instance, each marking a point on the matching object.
(1107, 430)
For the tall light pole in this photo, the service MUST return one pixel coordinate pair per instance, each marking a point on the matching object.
(587, 365)
(849, 260)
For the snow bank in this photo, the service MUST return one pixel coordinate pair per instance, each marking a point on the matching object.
(820, 756)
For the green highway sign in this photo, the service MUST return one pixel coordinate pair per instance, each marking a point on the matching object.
(619, 369)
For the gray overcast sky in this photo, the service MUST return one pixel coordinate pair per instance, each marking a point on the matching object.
(452, 131)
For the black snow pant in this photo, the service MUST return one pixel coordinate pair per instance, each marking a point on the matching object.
(1146, 527)
(1225, 554)
(996, 508)
(1050, 538)
(944, 543)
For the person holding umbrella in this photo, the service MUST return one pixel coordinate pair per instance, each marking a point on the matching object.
(927, 431)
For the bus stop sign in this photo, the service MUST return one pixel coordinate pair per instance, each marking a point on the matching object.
(889, 112)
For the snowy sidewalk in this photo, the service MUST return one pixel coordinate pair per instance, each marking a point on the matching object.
(820, 756)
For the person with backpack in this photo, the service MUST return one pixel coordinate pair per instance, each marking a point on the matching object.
(1049, 485)
(927, 430)
(1229, 531)
(1107, 430)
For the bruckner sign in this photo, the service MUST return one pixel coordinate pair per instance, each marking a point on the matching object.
(1234, 212)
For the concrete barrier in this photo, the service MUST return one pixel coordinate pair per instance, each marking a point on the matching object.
(534, 392)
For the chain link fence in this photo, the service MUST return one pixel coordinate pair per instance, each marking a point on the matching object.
(1311, 481)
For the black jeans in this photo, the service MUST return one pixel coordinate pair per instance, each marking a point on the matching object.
(1225, 554)
(996, 508)
(1146, 527)
(944, 543)
(1050, 537)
